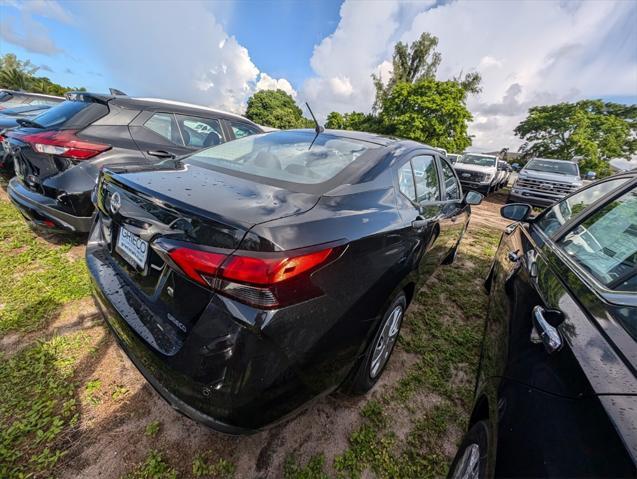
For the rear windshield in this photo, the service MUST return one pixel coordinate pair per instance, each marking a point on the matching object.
(285, 156)
(71, 114)
(20, 110)
(477, 160)
(555, 166)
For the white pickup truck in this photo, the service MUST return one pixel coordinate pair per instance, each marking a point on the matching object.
(478, 172)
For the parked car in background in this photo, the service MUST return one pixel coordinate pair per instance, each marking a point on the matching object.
(556, 392)
(543, 181)
(9, 119)
(504, 172)
(251, 277)
(12, 99)
(478, 172)
(58, 154)
(453, 157)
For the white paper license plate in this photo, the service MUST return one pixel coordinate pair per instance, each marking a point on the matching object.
(132, 248)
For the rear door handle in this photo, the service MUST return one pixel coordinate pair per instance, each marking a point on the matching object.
(419, 224)
(544, 323)
(161, 154)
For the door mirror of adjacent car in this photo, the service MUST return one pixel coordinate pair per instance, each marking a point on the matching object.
(591, 175)
(473, 198)
(516, 211)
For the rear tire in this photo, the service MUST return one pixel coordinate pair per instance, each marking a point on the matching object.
(471, 459)
(370, 367)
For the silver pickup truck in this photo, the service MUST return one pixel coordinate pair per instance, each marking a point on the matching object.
(543, 181)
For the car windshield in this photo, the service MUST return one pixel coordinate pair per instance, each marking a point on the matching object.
(285, 155)
(477, 160)
(553, 166)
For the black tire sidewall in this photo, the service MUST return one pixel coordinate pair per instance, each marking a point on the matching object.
(477, 434)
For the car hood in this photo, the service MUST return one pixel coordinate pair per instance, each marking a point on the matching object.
(478, 168)
(547, 176)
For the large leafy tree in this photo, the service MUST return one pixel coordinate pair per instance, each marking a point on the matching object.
(277, 109)
(429, 111)
(593, 130)
(18, 74)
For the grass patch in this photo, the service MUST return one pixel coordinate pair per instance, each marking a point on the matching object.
(38, 404)
(154, 467)
(314, 469)
(203, 466)
(152, 428)
(36, 278)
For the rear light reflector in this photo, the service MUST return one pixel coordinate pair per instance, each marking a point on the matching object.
(62, 143)
(265, 282)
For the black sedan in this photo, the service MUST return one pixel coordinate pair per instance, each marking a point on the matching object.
(251, 277)
(556, 393)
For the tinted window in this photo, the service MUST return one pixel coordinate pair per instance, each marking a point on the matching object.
(242, 129)
(426, 177)
(285, 155)
(164, 125)
(452, 188)
(563, 211)
(200, 132)
(556, 166)
(71, 114)
(605, 244)
(406, 181)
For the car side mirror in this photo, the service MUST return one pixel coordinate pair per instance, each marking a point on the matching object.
(473, 198)
(516, 211)
(591, 175)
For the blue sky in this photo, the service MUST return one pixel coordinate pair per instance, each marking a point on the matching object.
(219, 53)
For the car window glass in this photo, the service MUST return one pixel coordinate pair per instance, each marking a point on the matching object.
(406, 181)
(71, 114)
(605, 244)
(200, 132)
(164, 125)
(426, 177)
(563, 211)
(452, 188)
(241, 129)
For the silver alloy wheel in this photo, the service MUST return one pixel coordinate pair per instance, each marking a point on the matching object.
(386, 341)
(468, 466)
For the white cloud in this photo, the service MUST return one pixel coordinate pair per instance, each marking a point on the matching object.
(29, 34)
(46, 8)
(528, 53)
(266, 82)
(181, 53)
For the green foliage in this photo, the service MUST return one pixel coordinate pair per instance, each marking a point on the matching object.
(276, 109)
(154, 467)
(38, 404)
(152, 428)
(20, 75)
(429, 111)
(594, 130)
(36, 278)
(221, 469)
(312, 470)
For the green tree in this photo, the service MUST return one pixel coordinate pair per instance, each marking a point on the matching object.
(10, 62)
(592, 130)
(18, 74)
(335, 121)
(429, 111)
(276, 109)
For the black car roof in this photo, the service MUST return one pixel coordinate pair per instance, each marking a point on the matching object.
(155, 104)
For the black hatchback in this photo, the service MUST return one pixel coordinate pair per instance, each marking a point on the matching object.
(556, 393)
(253, 276)
(59, 153)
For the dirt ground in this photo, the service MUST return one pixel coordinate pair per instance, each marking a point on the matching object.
(110, 440)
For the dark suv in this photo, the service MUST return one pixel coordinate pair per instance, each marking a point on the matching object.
(58, 154)
(556, 393)
(12, 99)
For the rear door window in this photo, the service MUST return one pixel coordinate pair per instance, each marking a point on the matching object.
(406, 181)
(198, 132)
(71, 114)
(164, 125)
(452, 187)
(242, 129)
(426, 178)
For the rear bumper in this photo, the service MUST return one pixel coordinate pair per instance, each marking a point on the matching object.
(41, 210)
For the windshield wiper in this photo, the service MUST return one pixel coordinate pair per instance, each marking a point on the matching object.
(29, 123)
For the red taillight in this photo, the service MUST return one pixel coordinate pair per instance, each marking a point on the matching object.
(264, 282)
(201, 266)
(63, 143)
